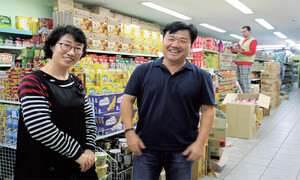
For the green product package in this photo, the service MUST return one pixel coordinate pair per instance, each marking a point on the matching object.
(5, 21)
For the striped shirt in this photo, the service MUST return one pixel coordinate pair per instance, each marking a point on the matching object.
(36, 109)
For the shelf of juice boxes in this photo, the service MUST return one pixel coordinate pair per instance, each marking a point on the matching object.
(137, 53)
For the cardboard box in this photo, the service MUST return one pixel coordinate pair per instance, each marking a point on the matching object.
(127, 20)
(100, 42)
(101, 11)
(79, 18)
(199, 167)
(219, 129)
(119, 100)
(255, 88)
(62, 7)
(99, 23)
(114, 27)
(266, 111)
(119, 16)
(241, 117)
(149, 49)
(268, 88)
(135, 21)
(213, 164)
(114, 43)
(128, 45)
(270, 74)
(78, 5)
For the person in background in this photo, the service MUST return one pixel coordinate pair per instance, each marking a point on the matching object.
(56, 135)
(245, 59)
(170, 93)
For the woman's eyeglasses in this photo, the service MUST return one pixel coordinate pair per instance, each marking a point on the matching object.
(67, 47)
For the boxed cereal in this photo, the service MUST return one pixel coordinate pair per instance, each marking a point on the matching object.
(128, 30)
(114, 43)
(128, 45)
(139, 45)
(79, 18)
(99, 24)
(114, 27)
(100, 42)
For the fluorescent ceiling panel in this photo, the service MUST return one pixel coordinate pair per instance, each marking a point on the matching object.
(212, 27)
(264, 23)
(165, 10)
(290, 41)
(236, 36)
(240, 6)
(279, 34)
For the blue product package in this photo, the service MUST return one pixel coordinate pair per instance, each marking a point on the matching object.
(104, 103)
(118, 102)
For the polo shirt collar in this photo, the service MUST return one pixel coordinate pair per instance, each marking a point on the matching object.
(158, 63)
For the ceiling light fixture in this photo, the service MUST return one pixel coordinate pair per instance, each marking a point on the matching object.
(264, 23)
(279, 34)
(165, 10)
(290, 41)
(240, 6)
(212, 27)
(236, 36)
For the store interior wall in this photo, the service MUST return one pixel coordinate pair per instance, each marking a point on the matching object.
(27, 8)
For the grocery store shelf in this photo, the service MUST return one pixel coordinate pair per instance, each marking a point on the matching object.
(257, 79)
(229, 79)
(258, 59)
(10, 102)
(5, 65)
(11, 47)
(197, 50)
(288, 63)
(227, 82)
(8, 146)
(120, 53)
(209, 51)
(257, 70)
(15, 31)
(288, 81)
(289, 69)
(109, 135)
(228, 54)
(287, 89)
(287, 75)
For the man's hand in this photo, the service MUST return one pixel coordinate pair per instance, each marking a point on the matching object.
(135, 144)
(194, 152)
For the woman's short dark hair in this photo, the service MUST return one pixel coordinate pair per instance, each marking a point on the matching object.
(179, 25)
(59, 32)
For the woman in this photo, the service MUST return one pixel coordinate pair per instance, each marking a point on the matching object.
(56, 135)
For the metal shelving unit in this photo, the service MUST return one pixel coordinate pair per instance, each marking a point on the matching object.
(10, 102)
(120, 53)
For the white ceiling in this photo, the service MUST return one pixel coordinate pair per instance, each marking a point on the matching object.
(284, 15)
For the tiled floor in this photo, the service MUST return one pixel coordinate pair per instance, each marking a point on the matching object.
(273, 152)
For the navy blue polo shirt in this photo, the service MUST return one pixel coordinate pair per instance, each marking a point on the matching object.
(169, 105)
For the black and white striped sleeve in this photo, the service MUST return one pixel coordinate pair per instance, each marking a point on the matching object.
(36, 115)
(90, 126)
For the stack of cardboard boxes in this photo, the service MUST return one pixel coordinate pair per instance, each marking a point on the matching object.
(213, 151)
(243, 112)
(270, 85)
(107, 31)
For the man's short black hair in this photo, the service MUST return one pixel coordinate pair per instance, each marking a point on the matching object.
(179, 25)
(247, 27)
(59, 32)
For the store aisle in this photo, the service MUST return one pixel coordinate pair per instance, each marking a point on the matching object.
(273, 152)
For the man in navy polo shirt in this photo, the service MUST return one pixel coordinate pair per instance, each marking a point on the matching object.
(170, 93)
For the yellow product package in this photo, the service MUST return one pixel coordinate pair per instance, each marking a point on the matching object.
(93, 90)
(90, 79)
